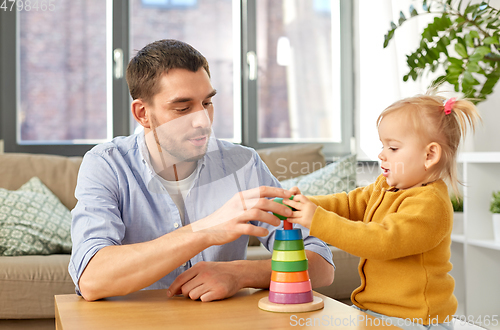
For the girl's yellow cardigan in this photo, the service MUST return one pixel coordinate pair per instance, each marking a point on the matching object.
(403, 238)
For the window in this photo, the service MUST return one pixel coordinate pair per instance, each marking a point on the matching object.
(298, 89)
(62, 74)
(299, 75)
(282, 69)
(55, 77)
(216, 36)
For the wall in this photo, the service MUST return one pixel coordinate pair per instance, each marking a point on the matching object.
(379, 73)
(487, 136)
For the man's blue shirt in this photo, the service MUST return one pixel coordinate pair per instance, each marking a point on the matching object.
(122, 201)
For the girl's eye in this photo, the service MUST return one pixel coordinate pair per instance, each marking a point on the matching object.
(182, 110)
(207, 104)
(393, 149)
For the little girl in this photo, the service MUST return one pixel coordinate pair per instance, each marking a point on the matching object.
(401, 225)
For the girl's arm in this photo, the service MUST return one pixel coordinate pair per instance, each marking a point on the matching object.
(351, 206)
(420, 224)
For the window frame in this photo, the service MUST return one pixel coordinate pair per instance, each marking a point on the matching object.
(9, 85)
(120, 98)
(249, 87)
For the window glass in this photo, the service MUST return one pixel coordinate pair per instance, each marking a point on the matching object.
(62, 72)
(208, 26)
(298, 51)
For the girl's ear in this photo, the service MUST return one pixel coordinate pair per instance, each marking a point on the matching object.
(140, 113)
(433, 154)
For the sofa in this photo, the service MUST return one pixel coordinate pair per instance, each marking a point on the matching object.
(28, 283)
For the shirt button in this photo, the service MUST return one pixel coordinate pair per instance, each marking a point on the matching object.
(176, 225)
(184, 265)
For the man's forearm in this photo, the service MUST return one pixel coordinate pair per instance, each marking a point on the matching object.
(255, 273)
(321, 271)
(119, 270)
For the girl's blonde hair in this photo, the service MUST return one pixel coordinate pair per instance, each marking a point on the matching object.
(427, 115)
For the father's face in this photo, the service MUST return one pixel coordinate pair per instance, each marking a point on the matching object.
(182, 113)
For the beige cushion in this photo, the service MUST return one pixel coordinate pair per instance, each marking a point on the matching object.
(58, 173)
(28, 285)
(292, 161)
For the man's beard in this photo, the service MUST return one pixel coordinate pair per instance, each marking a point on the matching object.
(173, 147)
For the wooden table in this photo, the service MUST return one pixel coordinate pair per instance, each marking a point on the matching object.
(151, 309)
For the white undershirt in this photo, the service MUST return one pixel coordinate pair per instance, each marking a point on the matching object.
(178, 191)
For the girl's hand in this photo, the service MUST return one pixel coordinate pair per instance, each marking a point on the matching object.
(305, 210)
(294, 190)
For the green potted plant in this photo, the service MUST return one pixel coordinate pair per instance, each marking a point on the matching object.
(463, 40)
(458, 215)
(495, 209)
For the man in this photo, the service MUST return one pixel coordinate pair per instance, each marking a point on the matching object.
(171, 207)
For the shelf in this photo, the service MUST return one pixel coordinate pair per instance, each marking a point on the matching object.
(479, 157)
(458, 238)
(485, 243)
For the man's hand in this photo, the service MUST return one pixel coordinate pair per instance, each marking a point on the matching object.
(208, 281)
(305, 210)
(231, 221)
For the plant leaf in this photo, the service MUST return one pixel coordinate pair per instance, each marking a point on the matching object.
(402, 18)
(475, 57)
(470, 8)
(491, 80)
(434, 53)
(455, 69)
(469, 79)
(483, 6)
(469, 41)
(491, 40)
(441, 46)
(474, 34)
(388, 38)
(413, 11)
(461, 50)
(455, 61)
(473, 67)
(481, 9)
(492, 57)
(483, 50)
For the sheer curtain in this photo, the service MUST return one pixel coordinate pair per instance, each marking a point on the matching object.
(379, 72)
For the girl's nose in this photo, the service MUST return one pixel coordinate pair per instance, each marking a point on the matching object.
(381, 156)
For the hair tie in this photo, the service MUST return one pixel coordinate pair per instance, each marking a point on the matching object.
(448, 105)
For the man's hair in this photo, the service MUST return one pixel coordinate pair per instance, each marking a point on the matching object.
(145, 69)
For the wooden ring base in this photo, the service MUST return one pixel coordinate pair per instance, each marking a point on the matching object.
(266, 305)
